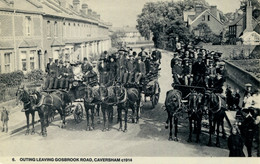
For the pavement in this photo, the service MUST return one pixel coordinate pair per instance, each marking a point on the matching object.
(149, 138)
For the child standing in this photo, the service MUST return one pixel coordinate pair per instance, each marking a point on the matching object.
(4, 119)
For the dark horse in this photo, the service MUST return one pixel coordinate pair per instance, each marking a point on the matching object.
(108, 100)
(173, 107)
(91, 99)
(216, 107)
(24, 96)
(127, 98)
(48, 102)
(195, 112)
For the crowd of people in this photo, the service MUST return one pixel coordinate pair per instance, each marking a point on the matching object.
(198, 67)
(124, 66)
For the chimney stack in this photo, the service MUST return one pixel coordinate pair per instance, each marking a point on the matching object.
(89, 12)
(214, 11)
(76, 5)
(84, 7)
(249, 27)
(198, 9)
(236, 14)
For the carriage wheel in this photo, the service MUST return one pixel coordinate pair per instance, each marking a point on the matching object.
(156, 95)
(155, 99)
(78, 113)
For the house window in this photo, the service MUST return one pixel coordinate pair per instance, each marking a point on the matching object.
(203, 17)
(28, 26)
(32, 62)
(69, 30)
(48, 29)
(7, 58)
(64, 29)
(23, 61)
(55, 29)
(208, 17)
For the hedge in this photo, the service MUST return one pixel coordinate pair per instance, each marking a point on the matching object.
(12, 79)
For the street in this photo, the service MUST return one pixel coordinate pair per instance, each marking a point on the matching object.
(149, 138)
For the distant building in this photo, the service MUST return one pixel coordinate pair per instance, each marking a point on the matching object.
(243, 24)
(132, 35)
(200, 14)
(31, 31)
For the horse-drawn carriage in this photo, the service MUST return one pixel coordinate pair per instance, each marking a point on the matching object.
(150, 85)
(198, 103)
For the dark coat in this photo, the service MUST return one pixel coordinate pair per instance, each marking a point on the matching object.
(199, 69)
(235, 146)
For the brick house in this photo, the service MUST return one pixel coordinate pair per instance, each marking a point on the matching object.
(243, 23)
(31, 31)
(200, 14)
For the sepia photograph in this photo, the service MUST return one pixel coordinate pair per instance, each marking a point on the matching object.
(129, 81)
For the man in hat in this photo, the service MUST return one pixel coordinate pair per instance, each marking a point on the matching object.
(130, 69)
(86, 66)
(140, 70)
(199, 71)
(187, 72)
(112, 68)
(58, 79)
(177, 71)
(146, 61)
(143, 53)
(210, 74)
(156, 55)
(175, 55)
(103, 69)
(51, 69)
(221, 76)
(248, 89)
(67, 76)
(121, 66)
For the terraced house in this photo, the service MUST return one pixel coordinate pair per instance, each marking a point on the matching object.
(31, 31)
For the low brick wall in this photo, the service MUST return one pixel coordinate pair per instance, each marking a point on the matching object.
(240, 76)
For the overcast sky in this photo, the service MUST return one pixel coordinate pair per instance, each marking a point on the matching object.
(124, 12)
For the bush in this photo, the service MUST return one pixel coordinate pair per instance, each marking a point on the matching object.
(35, 75)
(12, 79)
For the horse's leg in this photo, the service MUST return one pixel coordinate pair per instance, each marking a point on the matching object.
(198, 128)
(119, 110)
(87, 112)
(223, 129)
(171, 126)
(98, 114)
(210, 129)
(118, 114)
(104, 117)
(190, 134)
(217, 140)
(27, 122)
(126, 111)
(195, 126)
(92, 117)
(133, 115)
(176, 128)
(33, 114)
(137, 108)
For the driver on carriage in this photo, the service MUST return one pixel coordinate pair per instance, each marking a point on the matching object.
(199, 70)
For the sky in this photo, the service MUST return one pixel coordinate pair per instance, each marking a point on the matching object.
(124, 12)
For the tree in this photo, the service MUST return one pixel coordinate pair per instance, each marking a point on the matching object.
(116, 38)
(164, 21)
(205, 34)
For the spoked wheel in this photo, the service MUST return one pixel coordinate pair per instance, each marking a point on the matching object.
(156, 95)
(78, 113)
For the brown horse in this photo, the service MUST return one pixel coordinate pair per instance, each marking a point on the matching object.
(127, 98)
(216, 107)
(91, 99)
(108, 100)
(173, 107)
(23, 95)
(195, 112)
(46, 103)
